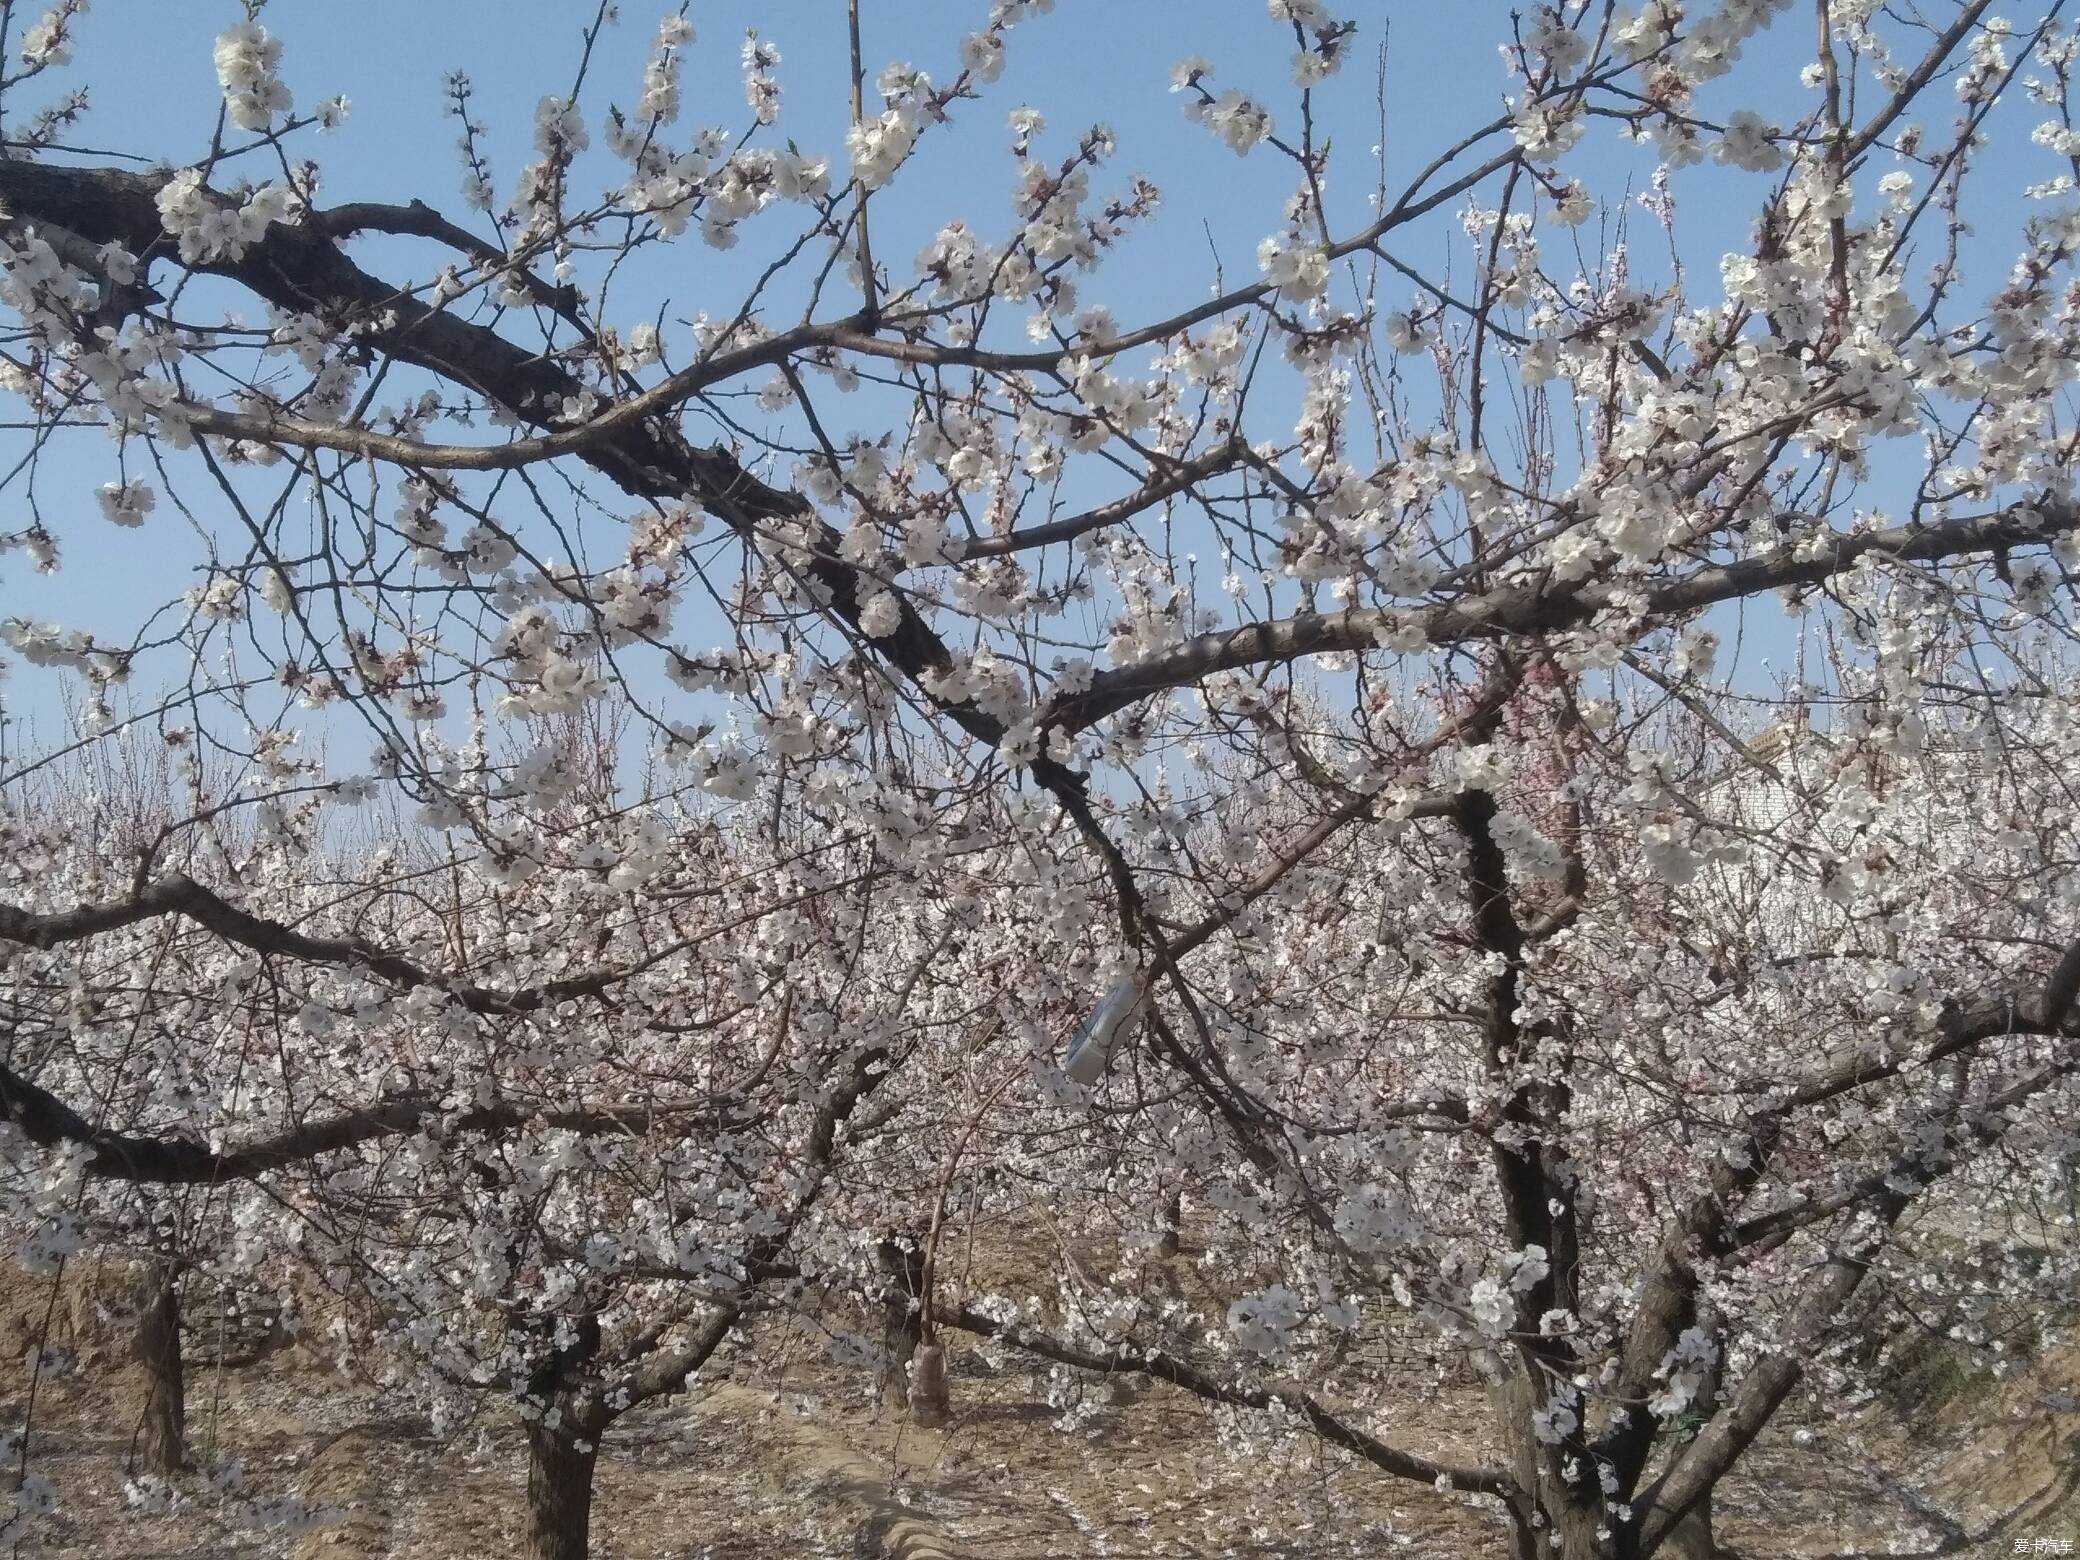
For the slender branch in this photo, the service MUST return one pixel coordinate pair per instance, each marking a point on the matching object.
(1167, 1367)
(1910, 87)
(1176, 477)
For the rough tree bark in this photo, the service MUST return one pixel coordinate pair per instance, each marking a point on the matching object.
(163, 1437)
(930, 1402)
(560, 1461)
(1691, 1538)
(902, 1261)
(563, 1443)
(1511, 1405)
(1566, 1524)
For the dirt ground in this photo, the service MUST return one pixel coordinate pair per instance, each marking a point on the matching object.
(785, 1453)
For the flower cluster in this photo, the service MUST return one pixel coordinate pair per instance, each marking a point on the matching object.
(249, 59)
(210, 227)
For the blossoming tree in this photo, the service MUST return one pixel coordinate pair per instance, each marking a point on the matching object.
(565, 1190)
(1483, 939)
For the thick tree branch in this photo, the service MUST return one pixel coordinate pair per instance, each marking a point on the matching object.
(416, 219)
(665, 1373)
(48, 1122)
(181, 895)
(1667, 1296)
(1538, 608)
(1921, 1163)
(633, 442)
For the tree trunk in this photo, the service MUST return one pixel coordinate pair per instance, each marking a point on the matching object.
(559, 1490)
(164, 1433)
(1691, 1539)
(1173, 1216)
(930, 1403)
(1510, 1401)
(1567, 1527)
(1577, 1523)
(902, 1260)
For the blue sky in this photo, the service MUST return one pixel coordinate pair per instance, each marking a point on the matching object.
(148, 67)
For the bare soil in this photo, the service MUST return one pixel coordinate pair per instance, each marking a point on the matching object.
(785, 1453)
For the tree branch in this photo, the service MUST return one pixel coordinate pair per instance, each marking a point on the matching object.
(181, 895)
(1166, 1367)
(1536, 607)
(1176, 477)
(49, 1122)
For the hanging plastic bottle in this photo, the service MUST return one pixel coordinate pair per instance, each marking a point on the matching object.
(1090, 1052)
